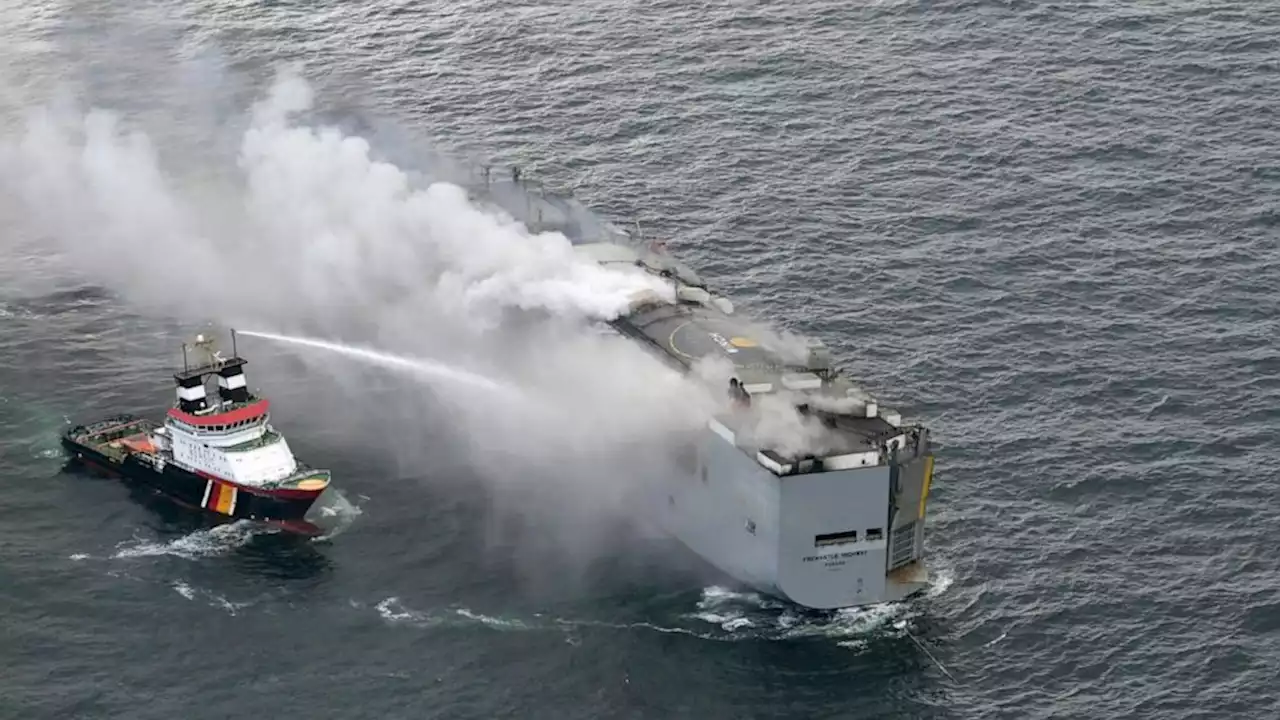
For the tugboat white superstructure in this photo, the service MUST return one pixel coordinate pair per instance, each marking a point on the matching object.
(835, 522)
(215, 452)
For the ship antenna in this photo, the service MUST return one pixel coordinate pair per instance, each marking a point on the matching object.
(233, 344)
(185, 366)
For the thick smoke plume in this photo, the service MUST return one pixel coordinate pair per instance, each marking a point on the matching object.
(318, 223)
(311, 234)
(306, 231)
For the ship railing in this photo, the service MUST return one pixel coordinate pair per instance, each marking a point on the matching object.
(120, 419)
(543, 206)
(103, 425)
(301, 472)
(881, 449)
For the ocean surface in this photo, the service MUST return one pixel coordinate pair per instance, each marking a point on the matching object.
(1049, 231)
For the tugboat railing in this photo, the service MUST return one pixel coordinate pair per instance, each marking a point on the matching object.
(102, 425)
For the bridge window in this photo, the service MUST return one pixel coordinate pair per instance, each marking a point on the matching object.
(875, 534)
(835, 538)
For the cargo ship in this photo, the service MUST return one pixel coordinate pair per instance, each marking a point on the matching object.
(215, 453)
(837, 524)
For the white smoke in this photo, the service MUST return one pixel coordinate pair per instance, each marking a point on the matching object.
(317, 236)
(777, 425)
(319, 223)
(837, 404)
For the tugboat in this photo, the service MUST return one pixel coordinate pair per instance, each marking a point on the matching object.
(218, 455)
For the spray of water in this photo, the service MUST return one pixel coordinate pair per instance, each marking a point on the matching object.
(426, 369)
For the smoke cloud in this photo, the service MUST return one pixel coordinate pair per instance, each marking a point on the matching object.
(313, 235)
(304, 231)
(319, 223)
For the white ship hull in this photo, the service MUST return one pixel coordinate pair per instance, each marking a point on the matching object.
(767, 531)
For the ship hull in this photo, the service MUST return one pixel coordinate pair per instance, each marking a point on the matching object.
(771, 532)
(213, 498)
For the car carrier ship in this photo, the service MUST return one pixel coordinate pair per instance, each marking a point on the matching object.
(217, 454)
(835, 528)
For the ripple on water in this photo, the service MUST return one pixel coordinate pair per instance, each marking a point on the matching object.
(1046, 229)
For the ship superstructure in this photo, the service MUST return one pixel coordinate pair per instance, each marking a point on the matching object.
(837, 520)
(215, 450)
(832, 519)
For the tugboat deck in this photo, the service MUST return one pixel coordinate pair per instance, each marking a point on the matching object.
(116, 437)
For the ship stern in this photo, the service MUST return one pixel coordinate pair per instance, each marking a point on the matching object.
(853, 536)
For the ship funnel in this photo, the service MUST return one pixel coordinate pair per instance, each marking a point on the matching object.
(191, 395)
(232, 385)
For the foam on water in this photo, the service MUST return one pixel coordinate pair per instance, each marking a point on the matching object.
(739, 616)
(190, 592)
(214, 541)
(184, 590)
(749, 615)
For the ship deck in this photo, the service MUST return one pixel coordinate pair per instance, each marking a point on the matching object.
(115, 437)
(685, 332)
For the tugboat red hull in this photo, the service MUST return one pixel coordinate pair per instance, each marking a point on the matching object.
(285, 508)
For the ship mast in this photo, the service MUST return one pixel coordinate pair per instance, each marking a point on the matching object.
(232, 386)
(192, 397)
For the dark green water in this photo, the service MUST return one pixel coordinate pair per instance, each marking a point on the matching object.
(1049, 231)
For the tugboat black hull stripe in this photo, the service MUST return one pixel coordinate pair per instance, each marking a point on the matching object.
(194, 490)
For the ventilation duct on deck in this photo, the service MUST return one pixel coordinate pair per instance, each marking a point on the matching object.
(686, 293)
(819, 357)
